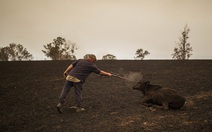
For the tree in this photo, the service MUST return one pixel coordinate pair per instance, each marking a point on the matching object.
(109, 57)
(60, 49)
(4, 54)
(183, 51)
(70, 48)
(141, 54)
(14, 52)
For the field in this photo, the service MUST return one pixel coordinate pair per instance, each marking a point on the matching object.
(29, 94)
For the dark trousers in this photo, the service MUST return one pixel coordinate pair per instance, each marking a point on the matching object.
(77, 89)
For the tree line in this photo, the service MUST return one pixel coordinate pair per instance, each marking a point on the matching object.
(61, 49)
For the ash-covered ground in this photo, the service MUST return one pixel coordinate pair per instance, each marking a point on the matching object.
(30, 90)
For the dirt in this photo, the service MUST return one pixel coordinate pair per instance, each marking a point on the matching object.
(30, 90)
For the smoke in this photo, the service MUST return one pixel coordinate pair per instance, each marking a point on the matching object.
(133, 76)
(130, 76)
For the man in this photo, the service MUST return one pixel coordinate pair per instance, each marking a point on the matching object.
(76, 74)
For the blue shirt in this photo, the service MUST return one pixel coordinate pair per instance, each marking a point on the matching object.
(82, 68)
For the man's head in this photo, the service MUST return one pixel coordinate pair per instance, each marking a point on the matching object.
(91, 57)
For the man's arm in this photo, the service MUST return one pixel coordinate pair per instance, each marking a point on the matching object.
(105, 73)
(67, 70)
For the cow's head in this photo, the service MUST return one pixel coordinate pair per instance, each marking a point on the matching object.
(141, 85)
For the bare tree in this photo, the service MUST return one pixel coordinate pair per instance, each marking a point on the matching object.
(183, 51)
(70, 49)
(141, 54)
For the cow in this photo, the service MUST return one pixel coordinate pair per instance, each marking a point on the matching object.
(158, 96)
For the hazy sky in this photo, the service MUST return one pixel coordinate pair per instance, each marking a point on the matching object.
(117, 27)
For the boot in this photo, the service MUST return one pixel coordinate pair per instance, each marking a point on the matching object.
(59, 108)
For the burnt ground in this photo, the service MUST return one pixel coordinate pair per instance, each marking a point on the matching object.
(29, 94)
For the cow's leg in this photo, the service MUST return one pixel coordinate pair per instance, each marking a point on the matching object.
(145, 100)
(146, 104)
(157, 106)
(164, 106)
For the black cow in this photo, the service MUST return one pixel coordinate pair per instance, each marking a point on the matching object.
(159, 96)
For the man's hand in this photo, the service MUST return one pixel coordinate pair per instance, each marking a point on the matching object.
(105, 73)
(67, 70)
(109, 74)
(65, 74)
